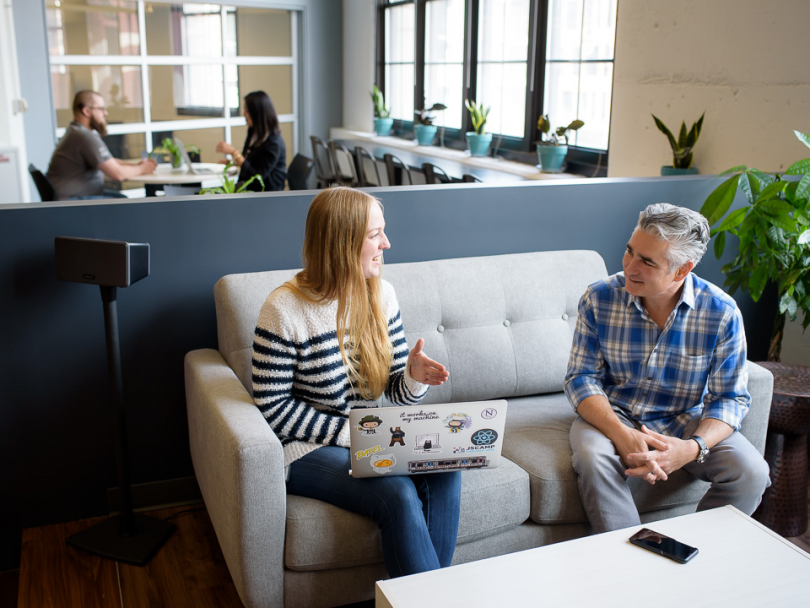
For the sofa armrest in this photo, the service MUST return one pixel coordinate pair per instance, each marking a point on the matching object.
(755, 424)
(239, 466)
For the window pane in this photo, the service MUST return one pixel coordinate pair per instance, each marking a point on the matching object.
(130, 145)
(564, 29)
(502, 86)
(275, 80)
(399, 34)
(205, 139)
(560, 99)
(93, 27)
(184, 29)
(179, 92)
(120, 86)
(444, 84)
(503, 30)
(399, 81)
(260, 33)
(599, 29)
(594, 105)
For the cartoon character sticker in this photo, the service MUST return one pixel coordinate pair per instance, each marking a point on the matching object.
(369, 424)
(382, 463)
(397, 436)
(456, 422)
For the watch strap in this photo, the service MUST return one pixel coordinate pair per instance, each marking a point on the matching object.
(703, 449)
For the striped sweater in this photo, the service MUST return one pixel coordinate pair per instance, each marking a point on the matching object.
(299, 382)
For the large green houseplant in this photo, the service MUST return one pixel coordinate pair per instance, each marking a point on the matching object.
(774, 235)
(681, 147)
(552, 148)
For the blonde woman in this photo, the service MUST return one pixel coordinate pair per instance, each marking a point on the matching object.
(331, 340)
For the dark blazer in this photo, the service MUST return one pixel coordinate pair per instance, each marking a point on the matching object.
(268, 159)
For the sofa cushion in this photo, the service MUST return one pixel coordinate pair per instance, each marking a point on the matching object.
(536, 439)
(320, 536)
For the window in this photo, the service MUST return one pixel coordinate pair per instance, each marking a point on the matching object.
(523, 58)
(172, 69)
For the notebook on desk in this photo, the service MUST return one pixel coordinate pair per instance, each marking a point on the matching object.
(411, 440)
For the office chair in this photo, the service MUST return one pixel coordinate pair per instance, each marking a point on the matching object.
(467, 177)
(324, 165)
(299, 173)
(172, 190)
(343, 162)
(435, 174)
(391, 164)
(44, 186)
(364, 157)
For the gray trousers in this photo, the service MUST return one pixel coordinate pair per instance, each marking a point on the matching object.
(737, 471)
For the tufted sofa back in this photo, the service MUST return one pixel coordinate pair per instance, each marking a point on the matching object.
(501, 324)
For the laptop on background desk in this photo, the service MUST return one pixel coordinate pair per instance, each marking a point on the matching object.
(416, 439)
(186, 159)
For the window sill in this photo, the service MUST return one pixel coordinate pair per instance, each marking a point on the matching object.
(526, 171)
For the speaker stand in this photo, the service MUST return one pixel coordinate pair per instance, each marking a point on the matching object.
(128, 537)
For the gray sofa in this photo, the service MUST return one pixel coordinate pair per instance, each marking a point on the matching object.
(503, 326)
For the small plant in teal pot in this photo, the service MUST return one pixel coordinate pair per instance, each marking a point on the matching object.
(553, 145)
(681, 147)
(382, 120)
(423, 125)
(478, 140)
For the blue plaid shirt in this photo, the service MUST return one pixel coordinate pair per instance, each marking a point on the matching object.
(695, 366)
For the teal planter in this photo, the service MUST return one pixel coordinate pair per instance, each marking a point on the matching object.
(479, 144)
(551, 158)
(425, 134)
(670, 170)
(382, 126)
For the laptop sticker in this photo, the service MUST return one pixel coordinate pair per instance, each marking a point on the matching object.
(427, 444)
(368, 452)
(382, 463)
(456, 422)
(397, 436)
(369, 424)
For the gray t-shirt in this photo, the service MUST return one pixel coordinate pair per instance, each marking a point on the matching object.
(74, 165)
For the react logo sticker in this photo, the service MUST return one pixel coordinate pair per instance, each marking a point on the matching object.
(382, 463)
(484, 437)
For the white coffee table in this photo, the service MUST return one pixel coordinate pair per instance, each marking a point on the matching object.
(741, 563)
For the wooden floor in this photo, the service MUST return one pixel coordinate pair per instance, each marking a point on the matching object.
(189, 571)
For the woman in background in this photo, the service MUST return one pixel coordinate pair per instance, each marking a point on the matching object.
(331, 340)
(264, 152)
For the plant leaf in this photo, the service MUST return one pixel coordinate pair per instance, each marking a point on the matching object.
(663, 128)
(803, 189)
(720, 200)
(757, 282)
(719, 244)
(732, 170)
(804, 238)
(803, 137)
(800, 167)
(772, 190)
(734, 219)
(745, 186)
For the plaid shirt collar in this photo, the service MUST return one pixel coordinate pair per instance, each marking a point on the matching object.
(687, 295)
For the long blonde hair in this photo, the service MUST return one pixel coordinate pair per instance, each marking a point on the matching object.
(337, 223)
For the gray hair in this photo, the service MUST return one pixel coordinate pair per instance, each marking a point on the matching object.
(686, 230)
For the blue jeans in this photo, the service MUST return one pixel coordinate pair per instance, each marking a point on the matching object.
(417, 516)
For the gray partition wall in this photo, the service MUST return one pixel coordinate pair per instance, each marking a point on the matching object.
(55, 430)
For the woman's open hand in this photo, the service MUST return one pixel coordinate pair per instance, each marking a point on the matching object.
(424, 369)
(225, 148)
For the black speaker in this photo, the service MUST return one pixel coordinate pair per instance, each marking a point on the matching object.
(100, 262)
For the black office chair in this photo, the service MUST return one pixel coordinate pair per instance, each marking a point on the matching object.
(299, 173)
(435, 174)
(44, 186)
(469, 178)
(343, 162)
(365, 161)
(392, 163)
(324, 165)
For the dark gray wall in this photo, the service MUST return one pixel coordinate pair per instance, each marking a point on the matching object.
(320, 72)
(55, 438)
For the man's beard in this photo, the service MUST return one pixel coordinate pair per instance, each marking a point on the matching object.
(101, 127)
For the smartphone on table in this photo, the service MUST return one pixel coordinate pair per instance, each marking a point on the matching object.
(663, 545)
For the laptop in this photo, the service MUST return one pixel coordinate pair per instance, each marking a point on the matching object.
(189, 164)
(417, 439)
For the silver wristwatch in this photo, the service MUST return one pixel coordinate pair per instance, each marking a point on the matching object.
(703, 449)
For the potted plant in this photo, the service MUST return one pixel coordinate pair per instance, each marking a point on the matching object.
(423, 124)
(168, 147)
(681, 148)
(478, 140)
(229, 185)
(382, 122)
(553, 146)
(774, 236)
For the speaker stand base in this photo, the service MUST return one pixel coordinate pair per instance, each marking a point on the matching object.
(103, 539)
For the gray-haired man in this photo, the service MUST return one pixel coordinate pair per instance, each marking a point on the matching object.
(658, 376)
